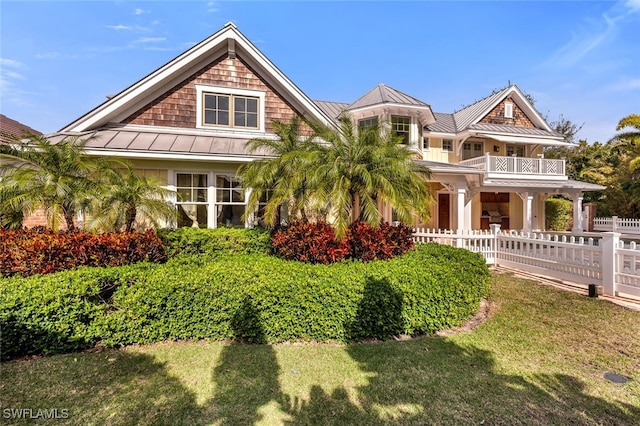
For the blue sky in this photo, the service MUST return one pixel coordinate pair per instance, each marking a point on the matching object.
(581, 59)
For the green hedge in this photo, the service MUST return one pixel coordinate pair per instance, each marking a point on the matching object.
(250, 297)
(558, 214)
(193, 241)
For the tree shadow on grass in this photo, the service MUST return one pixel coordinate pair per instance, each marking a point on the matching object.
(433, 380)
(106, 387)
(246, 377)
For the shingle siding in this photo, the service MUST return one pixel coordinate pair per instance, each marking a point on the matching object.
(496, 116)
(177, 107)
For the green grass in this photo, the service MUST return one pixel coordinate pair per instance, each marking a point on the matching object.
(539, 359)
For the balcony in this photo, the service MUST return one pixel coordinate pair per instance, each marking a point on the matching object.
(518, 167)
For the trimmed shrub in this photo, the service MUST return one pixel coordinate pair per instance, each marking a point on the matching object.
(558, 214)
(194, 241)
(248, 297)
(311, 242)
(42, 251)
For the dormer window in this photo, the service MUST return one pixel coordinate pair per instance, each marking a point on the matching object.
(401, 126)
(226, 108)
(508, 110)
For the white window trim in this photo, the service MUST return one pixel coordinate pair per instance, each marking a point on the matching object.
(508, 110)
(428, 145)
(443, 148)
(202, 89)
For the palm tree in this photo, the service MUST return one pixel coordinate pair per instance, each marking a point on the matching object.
(57, 177)
(357, 171)
(127, 198)
(282, 178)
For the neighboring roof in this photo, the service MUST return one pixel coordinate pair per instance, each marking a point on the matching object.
(228, 40)
(383, 94)
(332, 109)
(10, 128)
(153, 140)
(542, 184)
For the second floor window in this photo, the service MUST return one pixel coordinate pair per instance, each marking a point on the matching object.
(230, 110)
(447, 145)
(401, 126)
(367, 123)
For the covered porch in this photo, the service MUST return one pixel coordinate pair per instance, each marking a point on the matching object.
(512, 204)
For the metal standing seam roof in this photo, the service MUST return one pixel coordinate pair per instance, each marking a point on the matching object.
(383, 94)
(444, 123)
(135, 140)
(533, 131)
(332, 109)
(467, 115)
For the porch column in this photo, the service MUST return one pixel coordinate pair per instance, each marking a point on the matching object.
(527, 206)
(577, 213)
(461, 210)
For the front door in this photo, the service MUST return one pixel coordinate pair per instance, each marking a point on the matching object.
(443, 211)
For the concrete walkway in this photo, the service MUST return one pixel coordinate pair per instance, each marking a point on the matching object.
(632, 304)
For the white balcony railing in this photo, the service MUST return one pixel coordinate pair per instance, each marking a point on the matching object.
(522, 167)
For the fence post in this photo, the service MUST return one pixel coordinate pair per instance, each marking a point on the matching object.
(614, 223)
(495, 231)
(610, 242)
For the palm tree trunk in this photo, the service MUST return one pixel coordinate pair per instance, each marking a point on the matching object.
(68, 218)
(130, 218)
(355, 207)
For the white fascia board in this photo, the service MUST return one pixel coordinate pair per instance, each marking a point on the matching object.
(533, 139)
(160, 155)
(442, 134)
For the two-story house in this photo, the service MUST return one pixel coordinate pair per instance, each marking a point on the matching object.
(188, 122)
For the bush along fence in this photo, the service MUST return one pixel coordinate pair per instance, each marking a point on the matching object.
(607, 261)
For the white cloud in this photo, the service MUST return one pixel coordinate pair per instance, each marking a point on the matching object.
(625, 85)
(10, 63)
(150, 39)
(634, 5)
(583, 42)
(138, 11)
(211, 7)
(47, 55)
(119, 27)
(14, 75)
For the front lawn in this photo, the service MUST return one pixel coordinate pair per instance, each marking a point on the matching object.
(539, 359)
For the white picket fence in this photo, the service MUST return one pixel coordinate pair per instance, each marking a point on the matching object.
(605, 261)
(616, 224)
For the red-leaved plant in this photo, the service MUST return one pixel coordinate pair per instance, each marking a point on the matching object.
(41, 251)
(316, 242)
